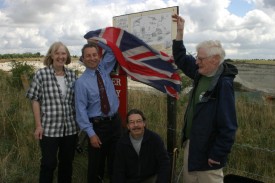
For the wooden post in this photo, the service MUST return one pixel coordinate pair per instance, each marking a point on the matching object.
(25, 81)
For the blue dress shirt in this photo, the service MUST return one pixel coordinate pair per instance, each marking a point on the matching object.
(87, 98)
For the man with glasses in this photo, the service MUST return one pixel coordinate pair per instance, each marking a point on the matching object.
(210, 121)
(141, 156)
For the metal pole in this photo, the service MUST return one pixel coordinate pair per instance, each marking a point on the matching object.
(171, 129)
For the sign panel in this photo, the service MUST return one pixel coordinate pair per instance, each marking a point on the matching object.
(154, 27)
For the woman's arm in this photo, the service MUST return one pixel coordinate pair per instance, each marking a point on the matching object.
(37, 118)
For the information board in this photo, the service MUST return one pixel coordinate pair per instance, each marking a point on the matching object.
(154, 27)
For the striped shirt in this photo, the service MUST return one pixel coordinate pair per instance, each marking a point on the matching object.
(57, 111)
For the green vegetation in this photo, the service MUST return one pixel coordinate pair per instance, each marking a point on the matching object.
(26, 57)
(18, 70)
(252, 155)
(256, 61)
(20, 55)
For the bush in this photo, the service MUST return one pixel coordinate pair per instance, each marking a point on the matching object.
(18, 70)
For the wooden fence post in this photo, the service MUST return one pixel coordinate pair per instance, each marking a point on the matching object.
(25, 81)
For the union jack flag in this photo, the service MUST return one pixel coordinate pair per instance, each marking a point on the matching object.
(140, 61)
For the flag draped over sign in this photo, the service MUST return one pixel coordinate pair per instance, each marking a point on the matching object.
(140, 61)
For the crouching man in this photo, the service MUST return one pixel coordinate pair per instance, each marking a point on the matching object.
(141, 156)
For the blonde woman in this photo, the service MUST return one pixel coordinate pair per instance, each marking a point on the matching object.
(52, 96)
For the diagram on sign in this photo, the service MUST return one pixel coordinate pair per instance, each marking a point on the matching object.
(122, 22)
(153, 28)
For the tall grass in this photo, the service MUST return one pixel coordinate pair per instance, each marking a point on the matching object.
(252, 155)
(18, 150)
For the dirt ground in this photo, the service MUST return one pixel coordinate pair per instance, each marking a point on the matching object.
(257, 77)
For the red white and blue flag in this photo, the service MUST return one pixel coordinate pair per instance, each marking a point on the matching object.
(140, 61)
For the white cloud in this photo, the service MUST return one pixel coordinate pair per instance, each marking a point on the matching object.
(31, 25)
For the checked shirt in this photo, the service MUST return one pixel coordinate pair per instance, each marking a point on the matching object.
(57, 111)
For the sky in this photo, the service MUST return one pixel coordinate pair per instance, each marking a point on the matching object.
(246, 28)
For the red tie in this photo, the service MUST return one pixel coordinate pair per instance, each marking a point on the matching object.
(105, 106)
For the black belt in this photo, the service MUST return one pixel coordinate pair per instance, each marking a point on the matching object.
(99, 119)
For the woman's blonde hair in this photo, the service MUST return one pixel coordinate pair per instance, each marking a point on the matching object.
(53, 48)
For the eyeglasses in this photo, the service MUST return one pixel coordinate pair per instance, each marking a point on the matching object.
(201, 59)
(137, 122)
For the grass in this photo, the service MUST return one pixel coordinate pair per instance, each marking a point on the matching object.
(256, 61)
(252, 155)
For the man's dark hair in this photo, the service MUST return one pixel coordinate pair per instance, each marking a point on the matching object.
(136, 111)
(89, 45)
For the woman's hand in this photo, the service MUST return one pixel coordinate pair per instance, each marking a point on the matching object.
(38, 133)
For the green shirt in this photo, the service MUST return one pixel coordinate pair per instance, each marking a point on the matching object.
(199, 91)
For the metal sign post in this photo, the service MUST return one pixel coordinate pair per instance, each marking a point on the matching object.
(171, 132)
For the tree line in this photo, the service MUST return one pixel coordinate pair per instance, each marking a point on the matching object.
(20, 55)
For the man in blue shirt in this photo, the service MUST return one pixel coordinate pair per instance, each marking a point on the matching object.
(102, 129)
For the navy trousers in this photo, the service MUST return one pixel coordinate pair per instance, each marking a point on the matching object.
(57, 150)
(109, 132)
